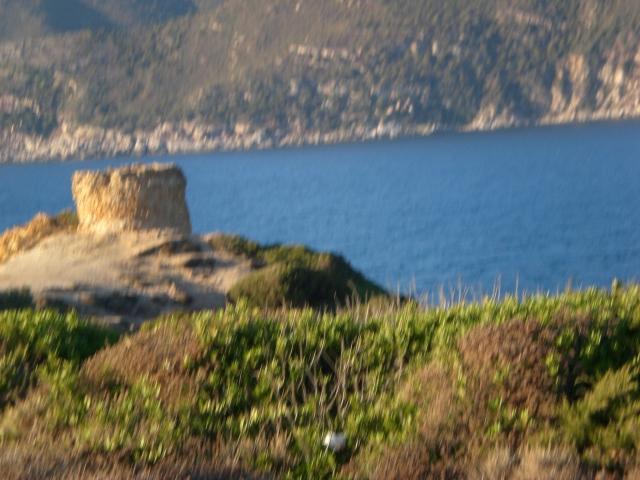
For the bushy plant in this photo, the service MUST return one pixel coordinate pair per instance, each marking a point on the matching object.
(417, 392)
(295, 276)
(30, 341)
(15, 299)
(604, 425)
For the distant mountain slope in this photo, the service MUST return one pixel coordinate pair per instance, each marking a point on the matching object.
(133, 12)
(266, 72)
(21, 19)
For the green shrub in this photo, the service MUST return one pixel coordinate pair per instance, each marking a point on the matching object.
(294, 276)
(15, 299)
(605, 425)
(276, 383)
(237, 245)
(32, 340)
(416, 391)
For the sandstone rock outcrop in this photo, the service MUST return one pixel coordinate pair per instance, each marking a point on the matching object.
(133, 198)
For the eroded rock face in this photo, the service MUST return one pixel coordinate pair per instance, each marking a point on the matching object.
(138, 197)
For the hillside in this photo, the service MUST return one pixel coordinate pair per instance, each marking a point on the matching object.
(24, 19)
(118, 78)
(543, 388)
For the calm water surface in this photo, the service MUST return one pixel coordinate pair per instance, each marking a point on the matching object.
(533, 209)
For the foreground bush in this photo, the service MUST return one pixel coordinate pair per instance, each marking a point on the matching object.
(37, 343)
(15, 299)
(541, 388)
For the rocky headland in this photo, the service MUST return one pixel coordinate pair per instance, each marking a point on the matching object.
(128, 254)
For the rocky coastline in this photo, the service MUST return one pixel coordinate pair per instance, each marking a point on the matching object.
(575, 91)
(82, 142)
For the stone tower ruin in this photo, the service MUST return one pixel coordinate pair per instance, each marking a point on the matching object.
(136, 197)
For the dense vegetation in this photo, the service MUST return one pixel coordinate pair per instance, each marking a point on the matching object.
(545, 387)
(15, 300)
(295, 276)
(274, 65)
(36, 344)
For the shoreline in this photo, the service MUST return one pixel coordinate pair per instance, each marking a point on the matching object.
(171, 140)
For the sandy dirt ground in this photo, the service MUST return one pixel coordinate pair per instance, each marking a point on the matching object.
(125, 278)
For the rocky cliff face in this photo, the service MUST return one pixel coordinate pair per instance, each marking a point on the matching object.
(611, 91)
(579, 93)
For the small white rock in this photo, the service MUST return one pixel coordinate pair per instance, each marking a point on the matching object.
(335, 441)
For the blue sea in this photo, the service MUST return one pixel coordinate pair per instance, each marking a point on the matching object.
(526, 209)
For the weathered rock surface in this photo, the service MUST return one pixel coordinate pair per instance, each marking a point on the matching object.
(139, 197)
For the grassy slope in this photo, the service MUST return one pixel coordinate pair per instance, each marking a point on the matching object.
(543, 388)
(230, 60)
